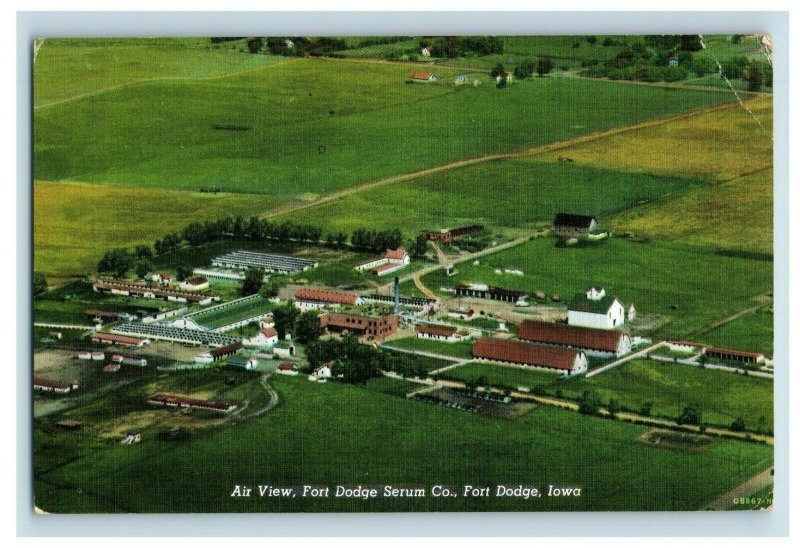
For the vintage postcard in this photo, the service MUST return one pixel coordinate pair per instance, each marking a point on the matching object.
(403, 274)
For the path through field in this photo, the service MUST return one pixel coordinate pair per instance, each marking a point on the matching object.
(730, 318)
(753, 485)
(530, 151)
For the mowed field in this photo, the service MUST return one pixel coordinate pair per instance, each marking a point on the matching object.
(689, 287)
(75, 223)
(429, 444)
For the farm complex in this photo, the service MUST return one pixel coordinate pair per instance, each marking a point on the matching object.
(488, 253)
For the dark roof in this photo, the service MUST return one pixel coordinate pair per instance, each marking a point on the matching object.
(582, 303)
(439, 330)
(569, 335)
(722, 352)
(571, 219)
(59, 385)
(524, 353)
(225, 350)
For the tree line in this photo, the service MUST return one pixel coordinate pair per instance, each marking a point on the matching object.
(119, 261)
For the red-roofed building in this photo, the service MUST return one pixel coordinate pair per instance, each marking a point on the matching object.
(121, 340)
(445, 333)
(392, 261)
(287, 368)
(59, 387)
(568, 361)
(729, 354)
(423, 76)
(216, 354)
(599, 342)
(378, 327)
(311, 298)
(266, 337)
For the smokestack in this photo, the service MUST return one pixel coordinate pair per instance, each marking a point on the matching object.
(396, 294)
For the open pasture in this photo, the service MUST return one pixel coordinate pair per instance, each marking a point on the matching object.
(691, 286)
(75, 223)
(307, 122)
(428, 441)
(669, 387)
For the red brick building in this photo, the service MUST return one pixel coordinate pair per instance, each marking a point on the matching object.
(378, 327)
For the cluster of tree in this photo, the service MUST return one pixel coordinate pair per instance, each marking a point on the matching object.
(167, 243)
(300, 46)
(589, 403)
(418, 247)
(304, 326)
(356, 362)
(253, 280)
(459, 46)
(376, 240)
(692, 414)
(669, 58)
(116, 262)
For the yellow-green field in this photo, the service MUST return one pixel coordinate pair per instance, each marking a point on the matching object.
(716, 146)
(736, 214)
(75, 223)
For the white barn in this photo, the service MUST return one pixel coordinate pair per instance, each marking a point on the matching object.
(596, 309)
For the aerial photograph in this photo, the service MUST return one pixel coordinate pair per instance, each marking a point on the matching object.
(285, 274)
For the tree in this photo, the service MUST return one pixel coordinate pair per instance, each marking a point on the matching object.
(418, 247)
(143, 252)
(183, 271)
(307, 327)
(254, 45)
(284, 317)
(524, 70)
(497, 70)
(269, 289)
(544, 66)
(589, 403)
(117, 262)
(143, 267)
(737, 425)
(692, 414)
(646, 409)
(39, 283)
(753, 76)
(703, 65)
(613, 407)
(253, 279)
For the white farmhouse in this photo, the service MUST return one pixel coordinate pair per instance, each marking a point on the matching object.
(596, 309)
(324, 372)
(265, 337)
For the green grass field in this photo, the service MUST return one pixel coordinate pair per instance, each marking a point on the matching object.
(753, 331)
(458, 196)
(78, 474)
(164, 137)
(461, 349)
(670, 387)
(691, 287)
(496, 374)
(74, 224)
(70, 68)
(233, 313)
